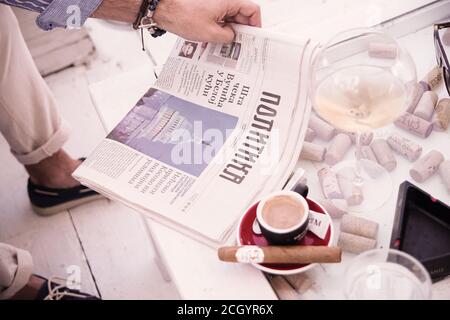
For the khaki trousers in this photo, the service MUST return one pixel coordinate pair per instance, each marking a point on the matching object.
(32, 125)
(29, 118)
(16, 267)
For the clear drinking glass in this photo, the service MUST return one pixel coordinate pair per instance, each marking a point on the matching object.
(387, 274)
(361, 80)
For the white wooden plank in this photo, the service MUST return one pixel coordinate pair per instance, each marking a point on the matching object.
(198, 274)
(56, 39)
(118, 50)
(60, 58)
(70, 88)
(56, 49)
(52, 241)
(120, 253)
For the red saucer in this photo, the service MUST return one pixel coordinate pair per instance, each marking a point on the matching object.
(246, 236)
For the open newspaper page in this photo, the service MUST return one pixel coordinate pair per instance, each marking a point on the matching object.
(223, 123)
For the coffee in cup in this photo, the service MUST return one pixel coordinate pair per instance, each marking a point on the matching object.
(283, 217)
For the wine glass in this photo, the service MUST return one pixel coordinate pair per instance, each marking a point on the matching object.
(360, 81)
(382, 274)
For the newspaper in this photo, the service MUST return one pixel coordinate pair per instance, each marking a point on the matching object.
(222, 126)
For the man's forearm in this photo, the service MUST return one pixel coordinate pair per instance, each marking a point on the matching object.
(124, 10)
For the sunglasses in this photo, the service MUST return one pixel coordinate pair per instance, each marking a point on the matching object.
(441, 56)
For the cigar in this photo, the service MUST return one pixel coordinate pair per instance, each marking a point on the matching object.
(280, 254)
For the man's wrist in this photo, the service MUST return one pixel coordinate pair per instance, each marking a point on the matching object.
(162, 13)
(124, 11)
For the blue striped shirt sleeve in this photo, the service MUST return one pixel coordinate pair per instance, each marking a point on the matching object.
(33, 5)
(58, 13)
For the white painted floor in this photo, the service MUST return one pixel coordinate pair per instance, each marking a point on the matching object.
(104, 239)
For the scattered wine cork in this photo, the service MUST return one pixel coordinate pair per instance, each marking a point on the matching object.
(353, 193)
(329, 183)
(384, 154)
(300, 282)
(415, 125)
(433, 78)
(283, 289)
(323, 130)
(365, 138)
(426, 105)
(382, 50)
(359, 226)
(416, 94)
(310, 135)
(444, 172)
(336, 208)
(355, 244)
(426, 166)
(441, 118)
(339, 146)
(312, 152)
(366, 152)
(405, 147)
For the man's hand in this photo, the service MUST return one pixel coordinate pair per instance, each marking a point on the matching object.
(206, 20)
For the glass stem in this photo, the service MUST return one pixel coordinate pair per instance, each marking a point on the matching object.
(358, 170)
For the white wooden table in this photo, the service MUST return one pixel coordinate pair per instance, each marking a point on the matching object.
(194, 268)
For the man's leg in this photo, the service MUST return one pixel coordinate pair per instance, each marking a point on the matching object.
(29, 118)
(18, 282)
(16, 267)
(31, 123)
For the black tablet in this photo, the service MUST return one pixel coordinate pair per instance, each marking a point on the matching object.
(422, 229)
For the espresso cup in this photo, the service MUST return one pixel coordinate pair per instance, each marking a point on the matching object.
(283, 217)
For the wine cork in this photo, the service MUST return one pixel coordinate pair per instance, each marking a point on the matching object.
(365, 138)
(426, 105)
(353, 193)
(415, 125)
(359, 226)
(310, 135)
(433, 78)
(280, 254)
(355, 244)
(384, 154)
(416, 94)
(444, 172)
(382, 50)
(366, 152)
(323, 130)
(441, 118)
(312, 152)
(405, 147)
(283, 289)
(329, 183)
(426, 166)
(340, 144)
(300, 282)
(336, 208)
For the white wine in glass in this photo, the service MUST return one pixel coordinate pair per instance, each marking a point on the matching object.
(358, 90)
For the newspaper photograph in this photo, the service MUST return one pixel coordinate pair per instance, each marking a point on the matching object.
(221, 119)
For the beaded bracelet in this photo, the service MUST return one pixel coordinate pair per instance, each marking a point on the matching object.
(145, 20)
